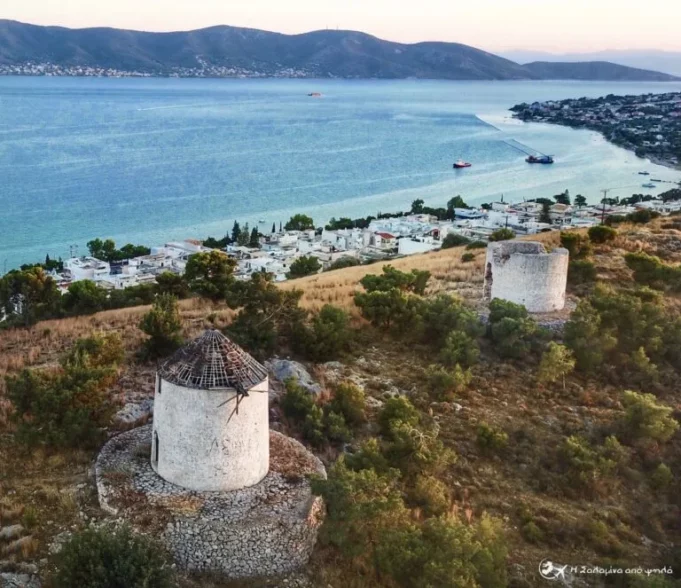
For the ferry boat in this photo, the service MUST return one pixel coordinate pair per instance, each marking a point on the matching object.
(539, 159)
(649, 185)
(461, 164)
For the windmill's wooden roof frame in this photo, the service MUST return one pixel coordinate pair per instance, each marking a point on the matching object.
(213, 362)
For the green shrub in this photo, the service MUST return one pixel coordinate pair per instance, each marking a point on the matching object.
(662, 477)
(602, 234)
(444, 385)
(349, 401)
(652, 271)
(454, 240)
(581, 271)
(645, 418)
(397, 410)
(163, 325)
(445, 553)
(556, 363)
(642, 216)
(502, 235)
(459, 349)
(436, 318)
(361, 506)
(578, 245)
(300, 408)
(430, 495)
(336, 428)
(466, 257)
(343, 262)
(327, 337)
(391, 278)
(512, 331)
(477, 245)
(268, 317)
(584, 464)
(532, 533)
(71, 406)
(304, 266)
(99, 558)
(416, 449)
(490, 438)
(389, 310)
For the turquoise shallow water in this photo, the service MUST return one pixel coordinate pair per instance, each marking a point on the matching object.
(150, 160)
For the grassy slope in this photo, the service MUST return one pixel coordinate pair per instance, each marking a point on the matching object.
(506, 395)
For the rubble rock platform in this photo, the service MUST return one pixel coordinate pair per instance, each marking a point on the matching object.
(264, 530)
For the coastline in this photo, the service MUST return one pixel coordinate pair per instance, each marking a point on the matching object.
(654, 159)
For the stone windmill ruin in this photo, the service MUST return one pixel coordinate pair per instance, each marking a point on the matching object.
(233, 495)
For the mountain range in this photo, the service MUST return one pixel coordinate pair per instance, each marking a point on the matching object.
(226, 50)
(667, 61)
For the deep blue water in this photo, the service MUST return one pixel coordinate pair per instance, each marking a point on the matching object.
(150, 160)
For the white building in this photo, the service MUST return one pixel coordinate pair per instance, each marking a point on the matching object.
(211, 417)
(86, 268)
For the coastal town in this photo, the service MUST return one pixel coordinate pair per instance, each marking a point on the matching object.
(298, 248)
(649, 125)
(202, 70)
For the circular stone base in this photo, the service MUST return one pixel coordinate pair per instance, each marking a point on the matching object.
(263, 530)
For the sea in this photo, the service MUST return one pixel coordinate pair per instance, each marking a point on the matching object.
(148, 161)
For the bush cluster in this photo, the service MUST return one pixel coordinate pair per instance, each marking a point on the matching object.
(322, 423)
(101, 558)
(70, 406)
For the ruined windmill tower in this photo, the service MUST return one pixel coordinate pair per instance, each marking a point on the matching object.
(211, 417)
(525, 273)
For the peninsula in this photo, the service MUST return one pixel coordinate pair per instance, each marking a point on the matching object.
(649, 125)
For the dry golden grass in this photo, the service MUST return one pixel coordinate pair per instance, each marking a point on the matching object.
(449, 275)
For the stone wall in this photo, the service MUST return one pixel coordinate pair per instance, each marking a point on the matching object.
(263, 530)
(524, 273)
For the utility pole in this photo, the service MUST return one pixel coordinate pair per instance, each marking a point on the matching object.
(605, 195)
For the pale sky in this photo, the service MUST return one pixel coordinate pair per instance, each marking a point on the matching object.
(550, 25)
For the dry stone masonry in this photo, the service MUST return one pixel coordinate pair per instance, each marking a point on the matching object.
(266, 529)
(525, 273)
(227, 494)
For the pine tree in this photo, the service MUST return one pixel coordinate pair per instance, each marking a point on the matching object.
(244, 236)
(255, 238)
(236, 231)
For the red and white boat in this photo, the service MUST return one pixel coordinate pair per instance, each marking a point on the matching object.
(461, 164)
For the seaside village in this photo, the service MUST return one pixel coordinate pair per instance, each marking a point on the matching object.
(383, 238)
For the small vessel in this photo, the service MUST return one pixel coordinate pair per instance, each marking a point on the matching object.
(649, 185)
(655, 180)
(315, 94)
(643, 173)
(539, 159)
(461, 164)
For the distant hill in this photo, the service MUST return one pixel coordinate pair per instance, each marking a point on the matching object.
(225, 50)
(595, 70)
(666, 61)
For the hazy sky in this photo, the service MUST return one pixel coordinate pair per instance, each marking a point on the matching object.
(554, 25)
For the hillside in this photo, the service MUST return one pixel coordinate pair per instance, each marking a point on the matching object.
(667, 61)
(595, 70)
(229, 51)
(556, 462)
